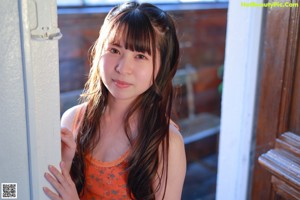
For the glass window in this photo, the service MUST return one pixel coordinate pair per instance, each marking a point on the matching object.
(112, 2)
(70, 3)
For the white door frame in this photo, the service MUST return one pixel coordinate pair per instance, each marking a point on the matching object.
(29, 82)
(238, 100)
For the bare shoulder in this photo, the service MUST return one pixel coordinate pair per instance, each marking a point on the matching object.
(176, 166)
(175, 135)
(69, 116)
(176, 143)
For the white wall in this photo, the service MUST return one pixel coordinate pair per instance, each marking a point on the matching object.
(29, 109)
(238, 100)
(13, 134)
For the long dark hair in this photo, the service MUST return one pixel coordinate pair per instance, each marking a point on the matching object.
(147, 29)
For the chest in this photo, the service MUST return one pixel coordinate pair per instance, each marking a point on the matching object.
(111, 146)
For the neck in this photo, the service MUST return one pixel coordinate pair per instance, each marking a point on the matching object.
(116, 109)
(115, 112)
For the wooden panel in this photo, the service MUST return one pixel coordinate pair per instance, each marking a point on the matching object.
(278, 86)
(289, 142)
(281, 190)
(284, 163)
(295, 106)
(271, 82)
(290, 80)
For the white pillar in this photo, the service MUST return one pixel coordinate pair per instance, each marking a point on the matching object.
(29, 85)
(238, 100)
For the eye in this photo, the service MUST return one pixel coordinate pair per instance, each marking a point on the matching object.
(114, 51)
(141, 56)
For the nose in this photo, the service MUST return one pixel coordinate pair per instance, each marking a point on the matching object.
(124, 65)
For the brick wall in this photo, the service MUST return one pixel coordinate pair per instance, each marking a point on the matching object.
(202, 40)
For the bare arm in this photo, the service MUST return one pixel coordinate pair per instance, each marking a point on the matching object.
(68, 134)
(176, 168)
(65, 188)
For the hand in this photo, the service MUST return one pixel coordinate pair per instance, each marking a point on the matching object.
(68, 147)
(62, 182)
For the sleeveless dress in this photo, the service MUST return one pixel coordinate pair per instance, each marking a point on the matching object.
(103, 180)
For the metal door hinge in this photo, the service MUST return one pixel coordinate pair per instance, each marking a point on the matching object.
(43, 20)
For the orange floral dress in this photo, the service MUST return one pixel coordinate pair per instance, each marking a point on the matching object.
(105, 180)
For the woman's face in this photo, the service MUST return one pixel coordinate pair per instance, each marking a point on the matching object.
(125, 73)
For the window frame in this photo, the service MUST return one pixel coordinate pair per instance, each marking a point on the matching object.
(85, 4)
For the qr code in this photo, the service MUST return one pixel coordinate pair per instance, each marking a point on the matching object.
(9, 190)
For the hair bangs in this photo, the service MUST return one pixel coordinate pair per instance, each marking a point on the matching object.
(137, 31)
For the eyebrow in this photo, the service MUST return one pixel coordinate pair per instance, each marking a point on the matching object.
(115, 44)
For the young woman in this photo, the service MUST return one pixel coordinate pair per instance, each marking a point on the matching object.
(120, 143)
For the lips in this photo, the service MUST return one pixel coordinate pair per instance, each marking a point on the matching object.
(121, 84)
